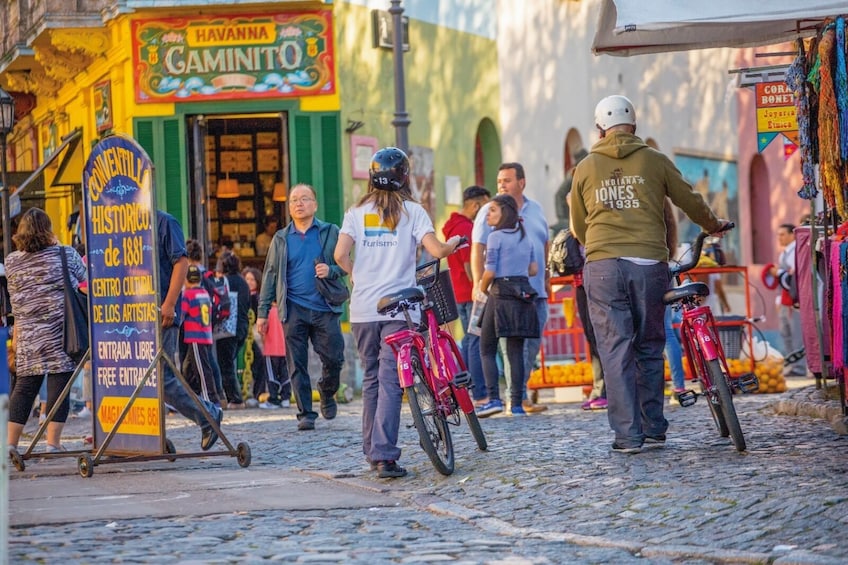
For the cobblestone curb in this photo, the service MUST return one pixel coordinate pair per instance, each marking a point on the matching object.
(822, 404)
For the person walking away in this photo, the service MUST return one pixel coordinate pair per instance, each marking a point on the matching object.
(299, 254)
(512, 181)
(385, 227)
(274, 348)
(197, 335)
(617, 213)
(788, 314)
(461, 223)
(173, 266)
(253, 277)
(195, 257)
(35, 280)
(229, 268)
(510, 313)
(673, 351)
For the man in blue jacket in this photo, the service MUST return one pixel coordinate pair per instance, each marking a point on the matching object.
(300, 253)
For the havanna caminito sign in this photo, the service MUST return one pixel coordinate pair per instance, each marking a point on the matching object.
(200, 58)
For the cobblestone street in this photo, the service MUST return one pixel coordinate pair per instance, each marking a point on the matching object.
(549, 490)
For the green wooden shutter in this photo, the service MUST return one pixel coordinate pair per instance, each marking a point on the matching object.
(302, 145)
(331, 164)
(316, 143)
(164, 141)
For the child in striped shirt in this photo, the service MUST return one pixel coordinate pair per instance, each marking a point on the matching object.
(197, 335)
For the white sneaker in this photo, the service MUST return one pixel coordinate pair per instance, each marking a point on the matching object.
(286, 403)
(268, 406)
(84, 413)
(251, 403)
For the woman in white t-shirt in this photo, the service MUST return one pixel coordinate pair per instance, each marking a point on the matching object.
(385, 229)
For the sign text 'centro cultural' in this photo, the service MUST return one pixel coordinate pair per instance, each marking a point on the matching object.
(123, 297)
(241, 56)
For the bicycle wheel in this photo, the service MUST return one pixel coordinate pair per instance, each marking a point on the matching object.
(477, 431)
(432, 428)
(725, 399)
(718, 415)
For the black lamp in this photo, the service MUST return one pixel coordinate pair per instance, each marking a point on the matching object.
(7, 122)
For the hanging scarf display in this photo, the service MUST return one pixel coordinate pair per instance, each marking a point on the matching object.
(831, 165)
(796, 79)
(841, 88)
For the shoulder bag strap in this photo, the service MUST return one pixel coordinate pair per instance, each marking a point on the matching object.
(65, 274)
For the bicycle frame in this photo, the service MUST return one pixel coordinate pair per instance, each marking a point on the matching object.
(440, 360)
(697, 331)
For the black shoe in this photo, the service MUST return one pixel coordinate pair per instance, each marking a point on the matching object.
(655, 441)
(210, 436)
(306, 424)
(629, 450)
(390, 470)
(328, 407)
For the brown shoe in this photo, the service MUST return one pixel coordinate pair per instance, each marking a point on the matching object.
(529, 407)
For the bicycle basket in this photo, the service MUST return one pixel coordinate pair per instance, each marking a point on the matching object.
(440, 291)
(730, 334)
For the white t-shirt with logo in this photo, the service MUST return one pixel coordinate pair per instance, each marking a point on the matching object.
(384, 260)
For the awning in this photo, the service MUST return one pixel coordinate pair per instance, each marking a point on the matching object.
(635, 27)
(69, 173)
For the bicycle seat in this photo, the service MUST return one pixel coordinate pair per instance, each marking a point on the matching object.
(394, 302)
(688, 290)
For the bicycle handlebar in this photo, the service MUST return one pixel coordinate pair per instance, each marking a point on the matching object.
(697, 246)
(426, 281)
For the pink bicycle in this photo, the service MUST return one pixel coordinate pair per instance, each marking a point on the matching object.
(704, 352)
(430, 367)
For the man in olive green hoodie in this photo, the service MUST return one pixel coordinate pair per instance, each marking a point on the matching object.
(617, 214)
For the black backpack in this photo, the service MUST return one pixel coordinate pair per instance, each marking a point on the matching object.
(219, 294)
(565, 257)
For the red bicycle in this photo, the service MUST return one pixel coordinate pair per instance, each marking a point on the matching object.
(704, 352)
(430, 367)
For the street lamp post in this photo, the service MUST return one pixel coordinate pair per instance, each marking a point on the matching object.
(7, 122)
(401, 121)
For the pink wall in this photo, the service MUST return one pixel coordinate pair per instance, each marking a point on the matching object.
(771, 199)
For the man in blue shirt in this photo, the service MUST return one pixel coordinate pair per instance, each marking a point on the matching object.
(511, 181)
(173, 265)
(300, 253)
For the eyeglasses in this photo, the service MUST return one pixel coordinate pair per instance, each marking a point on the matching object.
(305, 200)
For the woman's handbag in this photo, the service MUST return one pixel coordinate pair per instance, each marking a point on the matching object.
(75, 336)
(334, 291)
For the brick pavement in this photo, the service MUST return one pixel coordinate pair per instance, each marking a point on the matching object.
(548, 491)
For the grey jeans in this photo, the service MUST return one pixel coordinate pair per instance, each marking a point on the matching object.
(625, 304)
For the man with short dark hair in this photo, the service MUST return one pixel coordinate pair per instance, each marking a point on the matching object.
(461, 223)
(300, 253)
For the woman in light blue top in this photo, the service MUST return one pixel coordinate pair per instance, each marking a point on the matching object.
(510, 312)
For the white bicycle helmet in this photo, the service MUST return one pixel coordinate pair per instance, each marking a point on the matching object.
(613, 111)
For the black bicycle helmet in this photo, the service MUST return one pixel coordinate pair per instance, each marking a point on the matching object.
(389, 169)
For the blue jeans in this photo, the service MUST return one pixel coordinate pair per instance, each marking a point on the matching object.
(381, 392)
(531, 348)
(625, 304)
(323, 329)
(175, 394)
(470, 348)
(673, 350)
